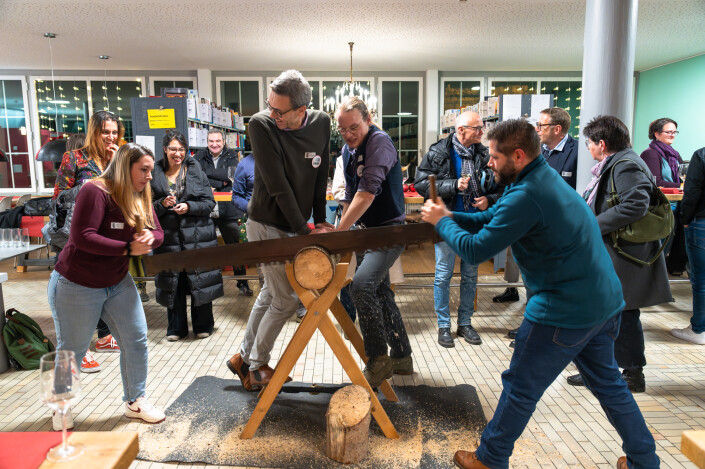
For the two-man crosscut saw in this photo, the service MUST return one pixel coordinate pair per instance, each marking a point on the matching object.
(285, 249)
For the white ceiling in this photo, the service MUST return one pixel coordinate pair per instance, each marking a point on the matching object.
(312, 35)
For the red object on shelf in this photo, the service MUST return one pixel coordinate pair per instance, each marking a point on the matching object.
(411, 193)
(671, 190)
(34, 224)
(34, 445)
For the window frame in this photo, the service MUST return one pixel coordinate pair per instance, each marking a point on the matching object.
(152, 79)
(219, 80)
(30, 147)
(38, 170)
(421, 128)
(441, 97)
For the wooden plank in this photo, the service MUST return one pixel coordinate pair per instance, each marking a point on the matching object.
(693, 446)
(109, 450)
(279, 250)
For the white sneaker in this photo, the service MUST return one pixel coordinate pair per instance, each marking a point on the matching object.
(56, 421)
(687, 334)
(142, 409)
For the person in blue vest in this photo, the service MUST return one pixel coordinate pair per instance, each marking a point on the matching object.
(574, 312)
(374, 197)
(558, 148)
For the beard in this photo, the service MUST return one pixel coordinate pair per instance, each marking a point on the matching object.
(506, 175)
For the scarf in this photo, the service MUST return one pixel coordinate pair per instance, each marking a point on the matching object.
(589, 194)
(467, 169)
(668, 153)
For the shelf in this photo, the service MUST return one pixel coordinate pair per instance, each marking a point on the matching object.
(491, 118)
(210, 124)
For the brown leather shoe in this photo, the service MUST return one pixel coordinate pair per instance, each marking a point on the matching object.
(468, 460)
(238, 366)
(622, 463)
(261, 377)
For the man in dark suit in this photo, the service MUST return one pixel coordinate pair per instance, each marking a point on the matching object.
(558, 148)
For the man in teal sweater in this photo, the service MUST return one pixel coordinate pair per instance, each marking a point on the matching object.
(575, 310)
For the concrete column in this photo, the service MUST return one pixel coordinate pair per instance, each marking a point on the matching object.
(205, 84)
(433, 112)
(608, 69)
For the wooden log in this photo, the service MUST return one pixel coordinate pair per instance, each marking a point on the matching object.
(348, 425)
(313, 268)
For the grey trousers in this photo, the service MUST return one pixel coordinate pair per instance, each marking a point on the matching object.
(275, 304)
(511, 269)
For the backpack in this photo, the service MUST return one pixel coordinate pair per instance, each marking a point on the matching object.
(25, 341)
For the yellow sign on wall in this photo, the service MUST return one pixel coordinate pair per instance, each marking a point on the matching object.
(161, 118)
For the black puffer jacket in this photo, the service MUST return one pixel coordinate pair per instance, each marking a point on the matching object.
(438, 161)
(193, 230)
(218, 176)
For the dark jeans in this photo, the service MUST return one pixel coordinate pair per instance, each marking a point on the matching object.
(347, 302)
(629, 347)
(695, 244)
(380, 320)
(103, 330)
(201, 316)
(230, 231)
(540, 354)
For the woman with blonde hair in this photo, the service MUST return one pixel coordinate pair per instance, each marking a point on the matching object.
(113, 220)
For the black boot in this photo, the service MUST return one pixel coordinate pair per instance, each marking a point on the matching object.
(244, 288)
(469, 334)
(444, 337)
(635, 379)
(512, 334)
(510, 295)
(576, 380)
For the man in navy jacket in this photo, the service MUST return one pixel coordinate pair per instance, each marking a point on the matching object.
(558, 148)
(574, 312)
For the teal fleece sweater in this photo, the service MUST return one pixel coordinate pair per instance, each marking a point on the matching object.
(556, 242)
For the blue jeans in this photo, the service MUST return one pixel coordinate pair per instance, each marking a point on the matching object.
(76, 310)
(445, 262)
(540, 354)
(695, 247)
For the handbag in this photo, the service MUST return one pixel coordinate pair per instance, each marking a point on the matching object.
(656, 225)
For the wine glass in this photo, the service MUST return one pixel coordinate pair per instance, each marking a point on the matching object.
(172, 192)
(683, 170)
(231, 175)
(59, 387)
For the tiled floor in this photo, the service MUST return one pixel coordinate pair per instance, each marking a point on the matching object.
(568, 428)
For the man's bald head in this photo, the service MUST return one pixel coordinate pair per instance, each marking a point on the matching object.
(469, 128)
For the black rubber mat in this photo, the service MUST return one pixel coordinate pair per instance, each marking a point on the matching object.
(204, 424)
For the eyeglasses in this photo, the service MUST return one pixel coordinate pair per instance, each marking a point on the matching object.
(587, 143)
(176, 150)
(479, 128)
(671, 133)
(541, 126)
(276, 111)
(353, 128)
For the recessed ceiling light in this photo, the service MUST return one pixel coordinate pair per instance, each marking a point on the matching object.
(103, 57)
(50, 35)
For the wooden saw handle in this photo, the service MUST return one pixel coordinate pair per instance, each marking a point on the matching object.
(432, 189)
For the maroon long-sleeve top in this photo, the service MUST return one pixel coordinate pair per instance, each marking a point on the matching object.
(95, 255)
(652, 158)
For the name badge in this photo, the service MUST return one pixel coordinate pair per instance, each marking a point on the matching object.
(316, 161)
(117, 225)
(567, 174)
(310, 154)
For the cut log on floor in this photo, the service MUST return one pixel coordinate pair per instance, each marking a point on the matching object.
(348, 424)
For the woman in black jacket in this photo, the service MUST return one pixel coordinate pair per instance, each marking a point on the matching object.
(183, 201)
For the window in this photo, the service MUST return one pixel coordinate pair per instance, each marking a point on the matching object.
(400, 114)
(15, 160)
(567, 96)
(459, 94)
(158, 84)
(512, 87)
(336, 141)
(65, 105)
(244, 97)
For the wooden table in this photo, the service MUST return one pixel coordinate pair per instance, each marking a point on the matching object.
(693, 446)
(227, 196)
(674, 197)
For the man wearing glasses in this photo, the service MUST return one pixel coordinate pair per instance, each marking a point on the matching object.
(466, 185)
(374, 197)
(558, 148)
(290, 146)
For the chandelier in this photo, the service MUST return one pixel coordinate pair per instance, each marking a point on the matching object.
(348, 90)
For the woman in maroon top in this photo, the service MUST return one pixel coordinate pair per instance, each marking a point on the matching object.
(113, 220)
(661, 158)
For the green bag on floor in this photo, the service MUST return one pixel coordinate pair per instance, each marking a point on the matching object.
(25, 341)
